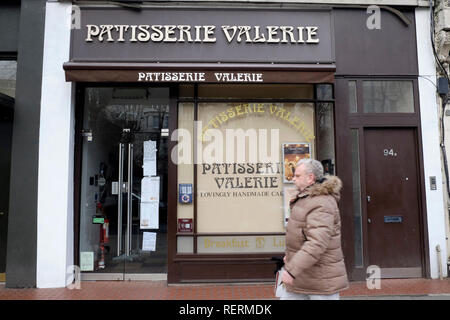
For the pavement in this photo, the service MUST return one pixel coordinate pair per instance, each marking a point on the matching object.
(388, 289)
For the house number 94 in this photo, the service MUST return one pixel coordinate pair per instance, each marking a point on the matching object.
(389, 153)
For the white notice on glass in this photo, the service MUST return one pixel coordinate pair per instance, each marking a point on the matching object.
(87, 261)
(149, 158)
(150, 189)
(149, 241)
(150, 215)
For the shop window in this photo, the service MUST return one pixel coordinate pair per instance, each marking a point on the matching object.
(185, 244)
(352, 97)
(247, 163)
(324, 92)
(325, 136)
(388, 96)
(8, 70)
(239, 157)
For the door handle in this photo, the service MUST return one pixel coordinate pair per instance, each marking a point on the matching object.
(129, 200)
(369, 220)
(119, 200)
(368, 198)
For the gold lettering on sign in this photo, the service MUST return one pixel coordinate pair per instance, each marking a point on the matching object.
(260, 241)
(202, 34)
(245, 109)
(229, 243)
(242, 244)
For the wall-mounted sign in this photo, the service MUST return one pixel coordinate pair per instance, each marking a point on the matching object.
(203, 35)
(185, 193)
(171, 73)
(98, 219)
(185, 225)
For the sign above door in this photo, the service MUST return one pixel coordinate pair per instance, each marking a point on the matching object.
(199, 72)
(203, 35)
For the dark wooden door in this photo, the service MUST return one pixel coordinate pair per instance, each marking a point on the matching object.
(393, 202)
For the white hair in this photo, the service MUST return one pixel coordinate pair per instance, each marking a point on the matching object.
(312, 166)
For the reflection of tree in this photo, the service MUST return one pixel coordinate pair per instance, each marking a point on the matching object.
(387, 96)
(325, 131)
(144, 116)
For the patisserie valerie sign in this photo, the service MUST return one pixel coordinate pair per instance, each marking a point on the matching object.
(203, 35)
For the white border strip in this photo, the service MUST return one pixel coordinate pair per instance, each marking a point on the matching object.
(55, 185)
(430, 141)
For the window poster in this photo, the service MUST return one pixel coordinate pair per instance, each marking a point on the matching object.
(292, 153)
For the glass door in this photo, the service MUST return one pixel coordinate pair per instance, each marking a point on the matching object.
(123, 211)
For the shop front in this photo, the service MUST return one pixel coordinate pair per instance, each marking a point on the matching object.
(189, 122)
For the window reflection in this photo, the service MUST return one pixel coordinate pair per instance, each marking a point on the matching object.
(388, 96)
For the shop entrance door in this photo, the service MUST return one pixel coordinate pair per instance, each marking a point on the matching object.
(123, 207)
(393, 202)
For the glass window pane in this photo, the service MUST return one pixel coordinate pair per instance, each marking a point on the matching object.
(118, 124)
(357, 212)
(325, 136)
(185, 244)
(388, 96)
(8, 71)
(250, 91)
(324, 92)
(242, 177)
(352, 97)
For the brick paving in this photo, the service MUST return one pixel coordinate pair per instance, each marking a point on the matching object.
(159, 290)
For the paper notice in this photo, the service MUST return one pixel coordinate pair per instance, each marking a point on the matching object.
(150, 215)
(150, 158)
(87, 261)
(150, 189)
(149, 241)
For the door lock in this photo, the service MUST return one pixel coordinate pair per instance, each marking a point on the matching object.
(368, 198)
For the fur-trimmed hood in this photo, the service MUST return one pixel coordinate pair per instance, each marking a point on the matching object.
(331, 185)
